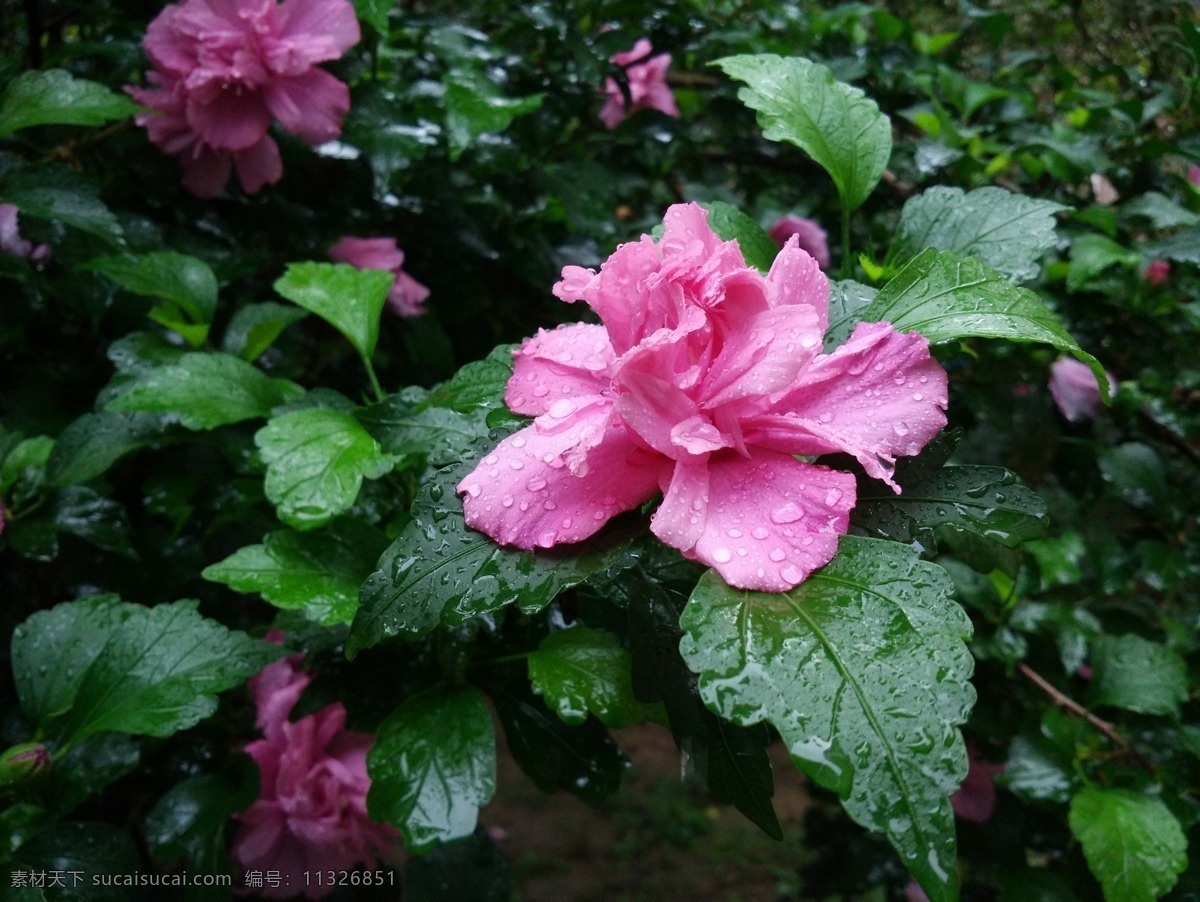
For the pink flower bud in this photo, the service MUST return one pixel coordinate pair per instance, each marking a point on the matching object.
(811, 236)
(1157, 272)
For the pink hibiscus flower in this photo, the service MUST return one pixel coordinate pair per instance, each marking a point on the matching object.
(648, 88)
(11, 241)
(407, 294)
(1074, 389)
(811, 236)
(1193, 174)
(705, 380)
(224, 69)
(1157, 272)
(311, 813)
(976, 798)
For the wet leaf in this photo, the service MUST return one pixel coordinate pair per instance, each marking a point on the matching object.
(189, 822)
(433, 766)
(1132, 842)
(58, 193)
(731, 224)
(1008, 232)
(79, 847)
(581, 759)
(187, 285)
(987, 501)
(584, 671)
(440, 571)
(476, 106)
(800, 102)
(124, 667)
(55, 97)
(404, 426)
(206, 391)
(478, 384)
(1037, 771)
(94, 442)
(76, 510)
(316, 572)
(946, 298)
(1092, 254)
(349, 299)
(847, 301)
(316, 461)
(864, 671)
(1136, 674)
(255, 327)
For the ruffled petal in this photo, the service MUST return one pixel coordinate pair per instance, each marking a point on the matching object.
(763, 355)
(569, 362)
(259, 165)
(310, 105)
(879, 396)
(317, 30)
(679, 520)
(797, 278)
(771, 520)
(234, 120)
(559, 480)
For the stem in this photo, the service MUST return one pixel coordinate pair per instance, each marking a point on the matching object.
(375, 386)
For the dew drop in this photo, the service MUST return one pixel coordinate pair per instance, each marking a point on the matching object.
(901, 428)
(549, 505)
(568, 523)
(777, 555)
(787, 513)
(516, 464)
(833, 496)
(735, 533)
(917, 396)
(473, 490)
(518, 442)
(827, 417)
(560, 409)
(791, 573)
(722, 555)
(536, 484)
(540, 391)
(760, 532)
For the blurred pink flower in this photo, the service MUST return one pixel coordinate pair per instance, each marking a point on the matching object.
(1157, 272)
(407, 294)
(648, 88)
(706, 380)
(976, 798)
(11, 241)
(1074, 389)
(224, 69)
(311, 813)
(811, 236)
(1193, 174)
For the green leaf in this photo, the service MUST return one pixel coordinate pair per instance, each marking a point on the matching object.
(1162, 212)
(1092, 254)
(124, 667)
(58, 193)
(55, 97)
(255, 327)
(433, 766)
(480, 383)
(1137, 473)
(1039, 772)
(316, 461)
(405, 426)
(1139, 675)
(186, 284)
(1183, 246)
(946, 297)
(206, 390)
(847, 302)
(96, 441)
(318, 573)
(987, 501)
(800, 101)
(349, 299)
(1132, 842)
(375, 14)
(731, 224)
(476, 106)
(582, 671)
(76, 510)
(864, 672)
(440, 571)
(78, 847)
(581, 759)
(189, 821)
(1005, 231)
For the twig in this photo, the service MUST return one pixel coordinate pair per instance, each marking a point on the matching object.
(1073, 707)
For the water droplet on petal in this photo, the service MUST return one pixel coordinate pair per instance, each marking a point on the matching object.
(518, 442)
(833, 496)
(760, 532)
(787, 513)
(791, 574)
(540, 391)
(722, 555)
(473, 490)
(777, 555)
(826, 417)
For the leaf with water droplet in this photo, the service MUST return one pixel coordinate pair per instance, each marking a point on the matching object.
(403, 424)
(316, 461)
(124, 667)
(583, 671)
(1133, 844)
(351, 300)
(439, 570)
(433, 766)
(864, 671)
(946, 297)
(986, 501)
(1138, 675)
(317, 572)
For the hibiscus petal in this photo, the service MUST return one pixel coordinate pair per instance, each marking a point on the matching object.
(318, 30)
(771, 520)
(205, 171)
(367, 253)
(798, 279)
(762, 356)
(310, 105)
(561, 482)
(878, 396)
(679, 520)
(234, 120)
(569, 362)
(259, 165)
